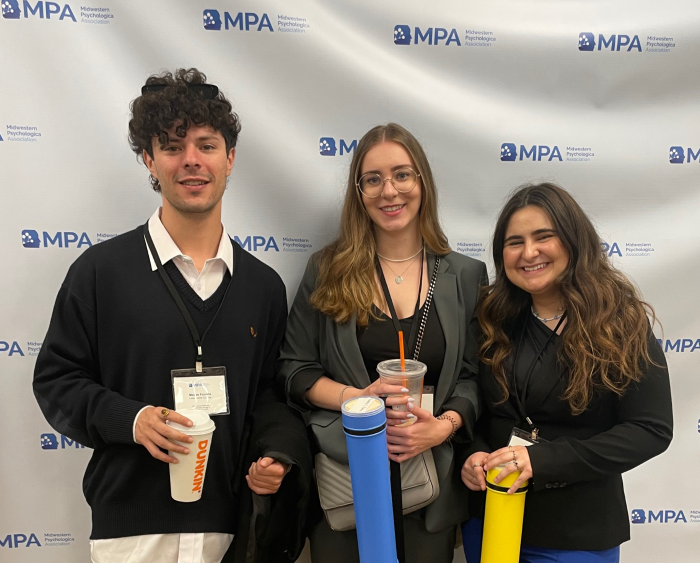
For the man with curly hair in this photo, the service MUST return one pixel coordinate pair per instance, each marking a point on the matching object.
(141, 316)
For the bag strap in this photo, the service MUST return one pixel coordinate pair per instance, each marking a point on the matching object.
(426, 308)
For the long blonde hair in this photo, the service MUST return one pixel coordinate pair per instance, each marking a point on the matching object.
(345, 284)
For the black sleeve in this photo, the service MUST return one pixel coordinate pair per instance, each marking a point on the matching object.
(66, 376)
(645, 430)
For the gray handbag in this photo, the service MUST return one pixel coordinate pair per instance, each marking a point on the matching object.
(419, 487)
(419, 482)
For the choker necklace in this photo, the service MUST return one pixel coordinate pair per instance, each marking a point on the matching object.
(554, 318)
(399, 277)
(402, 259)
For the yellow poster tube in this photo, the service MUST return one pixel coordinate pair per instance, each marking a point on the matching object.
(503, 520)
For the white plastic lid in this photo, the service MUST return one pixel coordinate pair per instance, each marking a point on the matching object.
(201, 422)
(392, 368)
(363, 405)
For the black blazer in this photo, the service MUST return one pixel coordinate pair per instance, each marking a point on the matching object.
(576, 500)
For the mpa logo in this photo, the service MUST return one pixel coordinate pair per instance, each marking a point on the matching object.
(255, 243)
(212, 20)
(679, 155)
(10, 348)
(32, 239)
(680, 345)
(431, 36)
(327, 146)
(402, 35)
(510, 153)
(676, 155)
(586, 41)
(50, 441)
(616, 42)
(242, 21)
(640, 516)
(11, 10)
(19, 540)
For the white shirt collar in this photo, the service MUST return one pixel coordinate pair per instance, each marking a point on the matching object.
(167, 249)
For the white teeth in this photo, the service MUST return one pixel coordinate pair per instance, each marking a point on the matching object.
(392, 208)
(194, 183)
(534, 268)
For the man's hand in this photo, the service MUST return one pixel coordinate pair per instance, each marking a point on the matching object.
(265, 476)
(152, 433)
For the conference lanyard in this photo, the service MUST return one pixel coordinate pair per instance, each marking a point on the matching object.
(520, 398)
(199, 360)
(392, 309)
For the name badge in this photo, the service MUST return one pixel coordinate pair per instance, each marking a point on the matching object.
(204, 391)
(520, 437)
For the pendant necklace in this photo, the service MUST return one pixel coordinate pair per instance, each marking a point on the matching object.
(399, 277)
(554, 318)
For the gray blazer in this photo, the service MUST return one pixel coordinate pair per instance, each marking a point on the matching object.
(316, 343)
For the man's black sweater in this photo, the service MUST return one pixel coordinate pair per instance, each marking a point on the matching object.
(114, 337)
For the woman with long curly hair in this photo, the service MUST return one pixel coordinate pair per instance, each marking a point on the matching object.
(342, 324)
(570, 363)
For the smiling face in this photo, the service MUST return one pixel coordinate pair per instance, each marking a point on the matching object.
(392, 211)
(533, 254)
(191, 170)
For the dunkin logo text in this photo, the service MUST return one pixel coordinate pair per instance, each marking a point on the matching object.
(199, 467)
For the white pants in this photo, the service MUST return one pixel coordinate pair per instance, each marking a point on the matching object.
(162, 548)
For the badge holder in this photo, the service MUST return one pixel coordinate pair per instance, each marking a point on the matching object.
(203, 391)
(519, 437)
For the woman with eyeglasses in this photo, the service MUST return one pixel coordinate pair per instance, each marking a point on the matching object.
(341, 325)
(576, 388)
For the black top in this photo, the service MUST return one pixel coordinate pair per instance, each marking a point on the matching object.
(379, 341)
(535, 349)
(114, 337)
(577, 499)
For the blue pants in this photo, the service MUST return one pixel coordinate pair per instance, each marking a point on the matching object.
(472, 530)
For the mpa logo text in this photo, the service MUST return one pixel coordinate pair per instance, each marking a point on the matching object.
(680, 155)
(616, 42)
(11, 10)
(62, 239)
(255, 243)
(328, 147)
(403, 35)
(10, 348)
(537, 153)
(680, 345)
(640, 516)
(242, 21)
(19, 540)
(50, 441)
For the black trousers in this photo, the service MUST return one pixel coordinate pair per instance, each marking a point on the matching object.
(328, 546)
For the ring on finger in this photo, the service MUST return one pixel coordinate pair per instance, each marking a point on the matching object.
(164, 412)
(510, 448)
(514, 456)
(476, 465)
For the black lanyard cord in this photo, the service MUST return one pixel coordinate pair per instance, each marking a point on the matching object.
(392, 309)
(520, 398)
(178, 300)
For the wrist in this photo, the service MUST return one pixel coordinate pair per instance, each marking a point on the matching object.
(450, 426)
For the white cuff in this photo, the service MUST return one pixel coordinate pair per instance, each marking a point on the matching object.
(133, 428)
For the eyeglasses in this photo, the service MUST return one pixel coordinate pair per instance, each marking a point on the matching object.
(403, 180)
(207, 91)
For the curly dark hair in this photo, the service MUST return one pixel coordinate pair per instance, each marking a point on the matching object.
(153, 113)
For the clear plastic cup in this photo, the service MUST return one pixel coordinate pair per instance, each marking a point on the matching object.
(412, 379)
(187, 476)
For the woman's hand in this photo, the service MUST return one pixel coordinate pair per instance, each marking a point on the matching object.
(516, 458)
(473, 472)
(406, 442)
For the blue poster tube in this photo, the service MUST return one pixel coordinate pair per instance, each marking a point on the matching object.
(364, 422)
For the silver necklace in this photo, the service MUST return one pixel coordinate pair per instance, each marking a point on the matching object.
(554, 318)
(402, 259)
(399, 277)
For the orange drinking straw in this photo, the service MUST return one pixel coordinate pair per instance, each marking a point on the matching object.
(401, 353)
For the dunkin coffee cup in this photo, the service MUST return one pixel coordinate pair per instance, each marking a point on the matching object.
(187, 476)
(412, 379)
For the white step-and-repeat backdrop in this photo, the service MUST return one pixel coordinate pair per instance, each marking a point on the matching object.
(601, 96)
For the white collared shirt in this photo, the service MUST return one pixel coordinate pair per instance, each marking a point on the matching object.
(174, 548)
